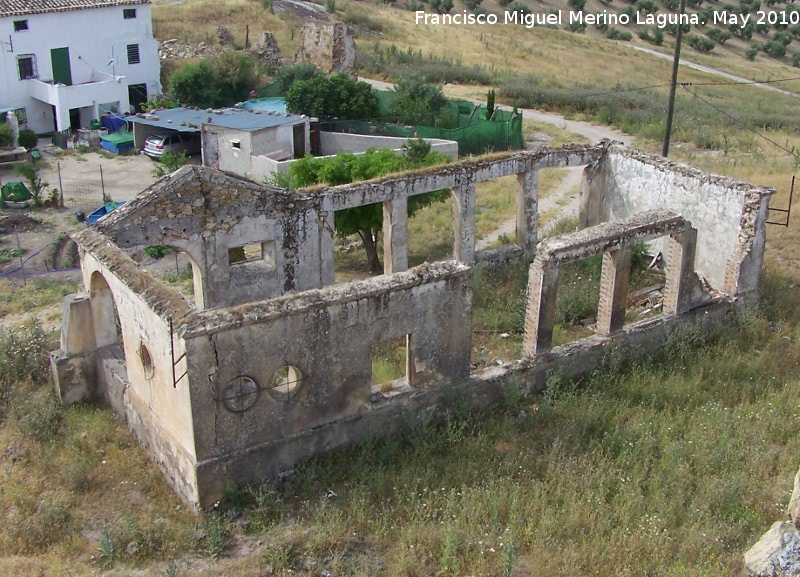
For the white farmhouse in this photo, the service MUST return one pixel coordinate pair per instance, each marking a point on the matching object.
(66, 61)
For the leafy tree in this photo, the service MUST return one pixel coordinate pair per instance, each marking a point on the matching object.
(6, 135)
(700, 43)
(30, 172)
(287, 75)
(472, 4)
(367, 221)
(718, 35)
(647, 6)
(775, 49)
(237, 75)
(752, 50)
(195, 84)
(783, 37)
(744, 32)
(336, 96)
(517, 6)
(442, 6)
(222, 80)
(415, 101)
(658, 36)
(27, 138)
(490, 97)
(796, 59)
(577, 5)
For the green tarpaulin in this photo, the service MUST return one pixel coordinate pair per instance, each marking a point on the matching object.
(14, 192)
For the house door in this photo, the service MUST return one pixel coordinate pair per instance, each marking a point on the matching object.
(62, 72)
(299, 140)
(137, 95)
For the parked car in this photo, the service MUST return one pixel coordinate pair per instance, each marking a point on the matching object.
(176, 143)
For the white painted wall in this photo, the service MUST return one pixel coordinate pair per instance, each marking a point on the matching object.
(332, 143)
(710, 203)
(97, 39)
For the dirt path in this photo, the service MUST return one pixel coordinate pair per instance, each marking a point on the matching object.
(714, 71)
(595, 133)
(562, 202)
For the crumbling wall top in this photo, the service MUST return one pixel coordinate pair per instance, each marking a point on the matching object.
(164, 301)
(753, 193)
(607, 236)
(217, 320)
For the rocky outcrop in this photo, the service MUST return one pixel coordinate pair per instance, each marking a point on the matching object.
(777, 553)
(330, 46)
(224, 36)
(267, 52)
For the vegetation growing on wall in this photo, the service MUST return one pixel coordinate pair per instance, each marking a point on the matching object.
(366, 221)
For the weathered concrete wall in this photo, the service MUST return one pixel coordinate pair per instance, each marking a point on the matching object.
(158, 409)
(330, 46)
(230, 418)
(729, 215)
(332, 143)
(326, 335)
(241, 152)
(205, 213)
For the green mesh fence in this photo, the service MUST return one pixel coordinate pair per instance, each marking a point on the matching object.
(463, 122)
(460, 120)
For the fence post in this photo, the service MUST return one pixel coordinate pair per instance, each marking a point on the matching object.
(60, 186)
(102, 184)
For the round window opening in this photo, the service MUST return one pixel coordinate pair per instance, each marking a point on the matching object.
(240, 394)
(285, 382)
(147, 362)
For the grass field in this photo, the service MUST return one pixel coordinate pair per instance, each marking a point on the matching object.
(672, 465)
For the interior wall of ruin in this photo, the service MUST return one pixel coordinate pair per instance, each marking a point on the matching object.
(729, 215)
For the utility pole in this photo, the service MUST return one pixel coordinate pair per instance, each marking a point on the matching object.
(674, 83)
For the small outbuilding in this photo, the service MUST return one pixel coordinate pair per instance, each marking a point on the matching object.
(231, 137)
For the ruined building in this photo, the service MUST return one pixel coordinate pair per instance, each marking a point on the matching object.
(271, 362)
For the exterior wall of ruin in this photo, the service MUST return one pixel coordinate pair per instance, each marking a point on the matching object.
(330, 46)
(222, 416)
(134, 369)
(729, 215)
(327, 336)
(209, 213)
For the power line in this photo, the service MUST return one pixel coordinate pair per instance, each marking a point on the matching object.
(740, 83)
(790, 152)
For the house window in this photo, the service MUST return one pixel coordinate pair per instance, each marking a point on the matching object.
(20, 25)
(129, 13)
(133, 54)
(22, 116)
(27, 66)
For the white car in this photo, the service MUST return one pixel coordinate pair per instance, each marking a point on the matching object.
(176, 143)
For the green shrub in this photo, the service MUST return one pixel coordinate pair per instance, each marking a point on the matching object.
(518, 6)
(6, 135)
(614, 34)
(775, 49)
(27, 138)
(752, 50)
(796, 59)
(157, 251)
(700, 43)
(169, 163)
